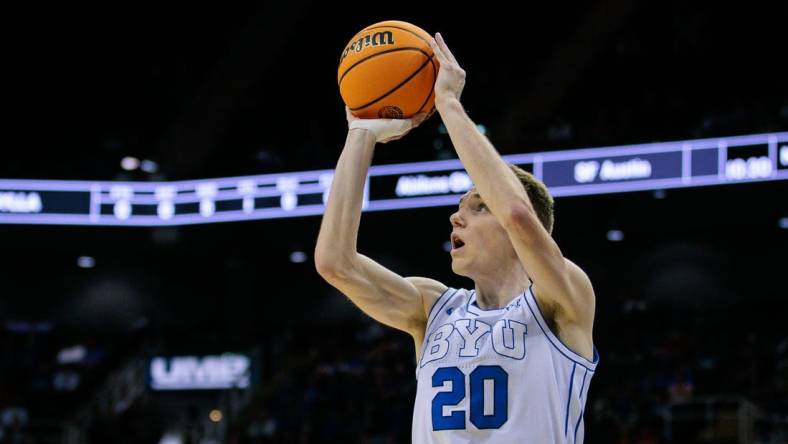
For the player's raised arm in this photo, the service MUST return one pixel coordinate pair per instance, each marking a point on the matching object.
(382, 294)
(556, 280)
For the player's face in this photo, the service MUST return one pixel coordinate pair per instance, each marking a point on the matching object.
(479, 242)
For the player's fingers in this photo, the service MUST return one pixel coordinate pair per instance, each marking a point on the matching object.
(445, 49)
(438, 53)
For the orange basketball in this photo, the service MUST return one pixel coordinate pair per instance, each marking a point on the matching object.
(388, 71)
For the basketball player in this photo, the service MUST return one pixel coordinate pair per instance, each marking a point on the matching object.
(510, 360)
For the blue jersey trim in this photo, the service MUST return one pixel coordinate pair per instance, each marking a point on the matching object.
(429, 321)
(569, 400)
(468, 304)
(583, 385)
(557, 343)
(472, 303)
(582, 412)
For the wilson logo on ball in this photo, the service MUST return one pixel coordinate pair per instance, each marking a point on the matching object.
(376, 39)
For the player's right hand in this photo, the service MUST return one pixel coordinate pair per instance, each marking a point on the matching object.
(451, 77)
(385, 130)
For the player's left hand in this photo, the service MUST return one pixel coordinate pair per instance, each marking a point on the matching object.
(385, 130)
(451, 78)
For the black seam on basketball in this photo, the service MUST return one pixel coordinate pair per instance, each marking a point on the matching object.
(432, 90)
(388, 51)
(396, 87)
(397, 27)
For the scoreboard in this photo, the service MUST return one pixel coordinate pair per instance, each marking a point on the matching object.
(691, 163)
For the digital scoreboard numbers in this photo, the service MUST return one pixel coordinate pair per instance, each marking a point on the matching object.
(218, 200)
(747, 162)
(762, 157)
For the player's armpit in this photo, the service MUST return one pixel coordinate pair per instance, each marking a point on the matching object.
(384, 295)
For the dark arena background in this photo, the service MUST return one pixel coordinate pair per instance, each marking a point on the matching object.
(162, 183)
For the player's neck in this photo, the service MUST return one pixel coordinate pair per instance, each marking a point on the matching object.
(497, 291)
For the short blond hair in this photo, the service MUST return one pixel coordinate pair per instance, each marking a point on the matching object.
(539, 195)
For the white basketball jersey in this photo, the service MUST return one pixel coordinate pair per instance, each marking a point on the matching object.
(497, 376)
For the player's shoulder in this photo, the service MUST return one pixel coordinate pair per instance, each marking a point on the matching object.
(581, 299)
(430, 289)
(579, 278)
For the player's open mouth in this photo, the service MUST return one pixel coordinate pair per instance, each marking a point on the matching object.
(456, 242)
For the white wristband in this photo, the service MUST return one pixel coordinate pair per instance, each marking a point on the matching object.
(383, 129)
